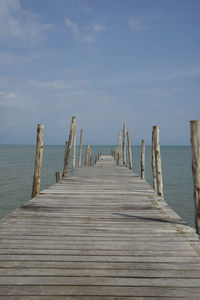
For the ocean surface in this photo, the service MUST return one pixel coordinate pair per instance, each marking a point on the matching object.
(17, 164)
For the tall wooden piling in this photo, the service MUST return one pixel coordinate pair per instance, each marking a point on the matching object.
(38, 161)
(158, 161)
(124, 144)
(69, 145)
(74, 148)
(142, 163)
(58, 176)
(195, 143)
(153, 164)
(87, 155)
(66, 143)
(80, 149)
(129, 152)
(118, 156)
(120, 148)
(90, 158)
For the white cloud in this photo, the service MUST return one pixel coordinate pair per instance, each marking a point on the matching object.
(143, 22)
(169, 74)
(11, 100)
(11, 95)
(22, 24)
(60, 84)
(89, 39)
(186, 72)
(76, 72)
(137, 24)
(99, 28)
(86, 34)
(159, 91)
(7, 58)
(72, 26)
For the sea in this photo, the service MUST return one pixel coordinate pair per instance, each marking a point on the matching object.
(17, 166)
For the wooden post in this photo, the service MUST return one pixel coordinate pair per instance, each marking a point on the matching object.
(90, 157)
(116, 153)
(69, 145)
(87, 155)
(142, 159)
(38, 161)
(118, 156)
(66, 143)
(153, 164)
(80, 150)
(195, 143)
(58, 176)
(158, 162)
(124, 145)
(129, 152)
(74, 147)
(120, 148)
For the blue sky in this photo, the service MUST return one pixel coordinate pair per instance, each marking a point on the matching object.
(104, 61)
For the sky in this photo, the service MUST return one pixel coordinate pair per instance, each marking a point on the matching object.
(106, 62)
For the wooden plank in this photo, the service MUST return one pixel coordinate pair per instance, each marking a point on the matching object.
(102, 233)
(100, 291)
(99, 273)
(155, 265)
(99, 281)
(84, 298)
(113, 258)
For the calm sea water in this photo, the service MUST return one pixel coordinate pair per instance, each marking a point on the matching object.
(17, 163)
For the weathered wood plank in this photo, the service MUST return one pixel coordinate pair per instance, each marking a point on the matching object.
(102, 233)
(100, 291)
(146, 273)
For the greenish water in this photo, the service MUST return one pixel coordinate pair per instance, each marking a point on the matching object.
(17, 163)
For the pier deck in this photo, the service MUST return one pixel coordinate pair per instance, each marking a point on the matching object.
(101, 233)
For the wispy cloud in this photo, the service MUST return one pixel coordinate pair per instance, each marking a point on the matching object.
(141, 23)
(16, 22)
(60, 84)
(76, 72)
(7, 58)
(137, 24)
(99, 28)
(10, 99)
(11, 95)
(89, 39)
(87, 34)
(160, 92)
(184, 72)
(169, 73)
(73, 27)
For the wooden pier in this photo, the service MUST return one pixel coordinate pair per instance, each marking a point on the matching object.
(101, 233)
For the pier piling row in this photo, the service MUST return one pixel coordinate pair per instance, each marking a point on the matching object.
(101, 233)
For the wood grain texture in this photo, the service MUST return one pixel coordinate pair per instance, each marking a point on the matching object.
(101, 233)
(142, 161)
(80, 149)
(120, 148)
(129, 152)
(124, 144)
(195, 144)
(159, 181)
(69, 145)
(38, 161)
(74, 148)
(153, 163)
